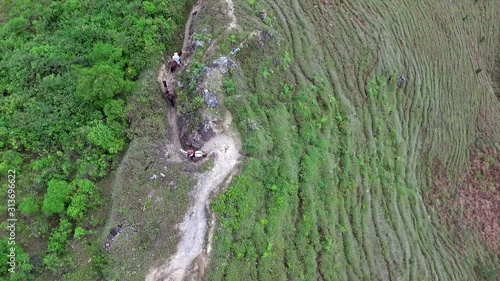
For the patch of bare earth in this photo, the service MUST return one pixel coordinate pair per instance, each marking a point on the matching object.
(475, 202)
(230, 12)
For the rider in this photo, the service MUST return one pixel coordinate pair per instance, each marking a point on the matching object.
(176, 58)
(191, 153)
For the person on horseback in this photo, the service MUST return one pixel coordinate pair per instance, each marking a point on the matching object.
(191, 154)
(176, 58)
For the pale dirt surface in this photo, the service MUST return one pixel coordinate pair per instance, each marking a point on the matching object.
(193, 229)
(224, 148)
(230, 11)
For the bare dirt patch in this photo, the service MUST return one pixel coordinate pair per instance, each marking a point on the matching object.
(475, 202)
(230, 12)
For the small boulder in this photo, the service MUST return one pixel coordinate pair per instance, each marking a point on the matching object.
(172, 184)
(210, 98)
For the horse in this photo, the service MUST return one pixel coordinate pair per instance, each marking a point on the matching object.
(193, 154)
(173, 64)
(169, 95)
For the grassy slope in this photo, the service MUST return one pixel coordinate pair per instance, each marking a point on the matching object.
(339, 157)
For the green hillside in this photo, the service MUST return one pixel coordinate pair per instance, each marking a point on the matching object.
(343, 153)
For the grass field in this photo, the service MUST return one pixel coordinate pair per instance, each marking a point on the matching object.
(340, 153)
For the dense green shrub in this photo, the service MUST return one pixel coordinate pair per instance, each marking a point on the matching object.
(29, 206)
(58, 194)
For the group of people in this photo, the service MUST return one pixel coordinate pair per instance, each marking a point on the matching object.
(168, 93)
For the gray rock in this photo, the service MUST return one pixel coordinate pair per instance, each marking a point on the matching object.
(206, 131)
(198, 43)
(210, 98)
(172, 184)
(402, 81)
(194, 140)
(235, 51)
(252, 125)
(223, 63)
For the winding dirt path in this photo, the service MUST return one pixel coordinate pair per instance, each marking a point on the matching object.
(230, 11)
(165, 75)
(194, 225)
(225, 149)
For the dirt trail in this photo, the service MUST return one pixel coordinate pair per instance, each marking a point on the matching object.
(225, 149)
(165, 75)
(194, 226)
(230, 11)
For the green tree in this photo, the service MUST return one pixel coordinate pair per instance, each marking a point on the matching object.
(58, 194)
(83, 199)
(79, 232)
(23, 266)
(10, 160)
(58, 239)
(106, 53)
(114, 110)
(101, 83)
(78, 206)
(106, 137)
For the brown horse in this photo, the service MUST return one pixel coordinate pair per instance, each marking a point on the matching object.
(173, 64)
(169, 95)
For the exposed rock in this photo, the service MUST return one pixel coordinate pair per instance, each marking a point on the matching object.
(222, 64)
(401, 81)
(263, 14)
(252, 125)
(198, 43)
(235, 51)
(210, 98)
(194, 140)
(206, 131)
(114, 233)
(172, 184)
(209, 87)
(265, 36)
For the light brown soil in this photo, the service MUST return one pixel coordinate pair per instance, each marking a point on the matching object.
(475, 202)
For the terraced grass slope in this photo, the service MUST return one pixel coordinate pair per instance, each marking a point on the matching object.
(340, 152)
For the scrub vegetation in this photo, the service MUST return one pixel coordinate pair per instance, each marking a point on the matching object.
(69, 73)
